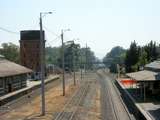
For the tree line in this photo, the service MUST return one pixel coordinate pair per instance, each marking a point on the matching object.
(132, 59)
(74, 55)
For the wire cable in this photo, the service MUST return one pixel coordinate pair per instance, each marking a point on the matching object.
(50, 31)
(9, 31)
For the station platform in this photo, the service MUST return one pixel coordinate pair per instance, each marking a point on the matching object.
(31, 85)
(150, 108)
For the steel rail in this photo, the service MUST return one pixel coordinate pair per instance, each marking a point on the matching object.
(123, 104)
(84, 92)
(118, 94)
(112, 104)
(66, 104)
(73, 101)
(114, 108)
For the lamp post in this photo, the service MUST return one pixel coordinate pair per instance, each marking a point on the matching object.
(63, 62)
(73, 56)
(42, 59)
(74, 76)
(81, 63)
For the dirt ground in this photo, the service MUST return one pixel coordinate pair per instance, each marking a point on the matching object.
(31, 111)
(90, 106)
(54, 104)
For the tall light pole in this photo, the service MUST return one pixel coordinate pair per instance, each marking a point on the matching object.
(73, 56)
(63, 62)
(63, 79)
(86, 64)
(74, 76)
(81, 63)
(42, 59)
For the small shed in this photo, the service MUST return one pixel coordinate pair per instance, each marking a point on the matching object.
(12, 76)
(148, 81)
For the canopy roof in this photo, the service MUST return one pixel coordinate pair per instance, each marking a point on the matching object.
(8, 68)
(144, 75)
(155, 66)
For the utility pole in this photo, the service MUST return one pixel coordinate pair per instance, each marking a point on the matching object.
(42, 66)
(81, 65)
(63, 71)
(42, 61)
(86, 64)
(118, 71)
(74, 65)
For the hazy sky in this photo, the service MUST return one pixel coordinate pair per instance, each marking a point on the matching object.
(102, 24)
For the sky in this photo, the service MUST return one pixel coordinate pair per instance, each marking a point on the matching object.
(102, 24)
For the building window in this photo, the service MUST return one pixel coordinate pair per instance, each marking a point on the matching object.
(1, 82)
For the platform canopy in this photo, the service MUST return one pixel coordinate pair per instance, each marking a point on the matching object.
(8, 68)
(153, 66)
(144, 75)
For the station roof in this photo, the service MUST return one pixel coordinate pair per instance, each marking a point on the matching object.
(153, 65)
(144, 75)
(8, 68)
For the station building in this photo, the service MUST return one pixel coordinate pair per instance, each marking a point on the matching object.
(147, 80)
(12, 76)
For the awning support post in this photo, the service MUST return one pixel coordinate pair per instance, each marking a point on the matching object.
(144, 91)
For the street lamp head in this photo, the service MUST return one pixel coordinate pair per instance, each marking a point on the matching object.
(42, 14)
(66, 30)
(50, 12)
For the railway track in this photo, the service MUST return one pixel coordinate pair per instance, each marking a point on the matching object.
(114, 108)
(122, 104)
(72, 105)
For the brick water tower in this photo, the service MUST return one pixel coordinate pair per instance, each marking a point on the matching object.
(30, 50)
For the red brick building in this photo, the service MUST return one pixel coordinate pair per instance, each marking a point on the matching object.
(30, 50)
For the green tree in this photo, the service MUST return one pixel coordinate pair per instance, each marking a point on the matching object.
(52, 55)
(151, 50)
(10, 51)
(143, 58)
(72, 55)
(114, 57)
(132, 57)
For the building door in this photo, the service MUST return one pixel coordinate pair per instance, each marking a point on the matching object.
(8, 84)
(9, 87)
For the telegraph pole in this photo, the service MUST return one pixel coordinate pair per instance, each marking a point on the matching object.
(86, 65)
(42, 61)
(81, 64)
(42, 66)
(63, 71)
(74, 65)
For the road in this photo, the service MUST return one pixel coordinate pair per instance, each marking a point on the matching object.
(112, 106)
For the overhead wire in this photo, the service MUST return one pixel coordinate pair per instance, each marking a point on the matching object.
(50, 31)
(49, 42)
(9, 31)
